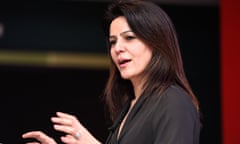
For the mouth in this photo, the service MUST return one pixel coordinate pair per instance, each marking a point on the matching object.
(124, 62)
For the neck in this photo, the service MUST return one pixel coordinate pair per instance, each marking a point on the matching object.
(138, 88)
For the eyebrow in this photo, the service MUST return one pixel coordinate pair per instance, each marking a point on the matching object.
(122, 33)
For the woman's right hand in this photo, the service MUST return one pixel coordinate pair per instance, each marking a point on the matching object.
(40, 136)
(75, 132)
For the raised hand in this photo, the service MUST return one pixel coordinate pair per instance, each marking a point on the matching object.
(40, 136)
(76, 133)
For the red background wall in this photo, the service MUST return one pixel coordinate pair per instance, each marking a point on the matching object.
(230, 70)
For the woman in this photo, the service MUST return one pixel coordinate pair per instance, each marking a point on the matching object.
(147, 94)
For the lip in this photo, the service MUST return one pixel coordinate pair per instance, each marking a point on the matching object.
(123, 62)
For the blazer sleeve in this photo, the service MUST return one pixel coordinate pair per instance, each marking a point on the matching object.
(176, 120)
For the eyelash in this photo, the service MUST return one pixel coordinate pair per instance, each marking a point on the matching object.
(130, 37)
(112, 42)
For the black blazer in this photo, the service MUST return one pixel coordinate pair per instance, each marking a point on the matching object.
(167, 119)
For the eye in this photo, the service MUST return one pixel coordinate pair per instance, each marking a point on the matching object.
(112, 42)
(130, 37)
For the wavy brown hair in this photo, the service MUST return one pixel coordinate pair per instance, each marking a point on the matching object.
(153, 26)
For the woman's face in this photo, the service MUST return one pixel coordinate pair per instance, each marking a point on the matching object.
(130, 54)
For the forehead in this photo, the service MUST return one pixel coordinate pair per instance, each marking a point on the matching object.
(118, 26)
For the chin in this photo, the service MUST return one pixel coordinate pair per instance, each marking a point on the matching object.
(126, 77)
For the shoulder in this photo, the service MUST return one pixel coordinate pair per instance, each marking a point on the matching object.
(175, 118)
(175, 103)
(175, 97)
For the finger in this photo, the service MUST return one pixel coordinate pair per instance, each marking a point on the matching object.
(68, 139)
(33, 143)
(66, 129)
(65, 115)
(34, 134)
(63, 121)
(40, 136)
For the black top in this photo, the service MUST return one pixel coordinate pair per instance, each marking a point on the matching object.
(167, 119)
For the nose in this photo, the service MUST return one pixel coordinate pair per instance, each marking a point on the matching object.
(119, 47)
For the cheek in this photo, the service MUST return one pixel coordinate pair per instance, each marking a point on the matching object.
(111, 53)
(146, 57)
(113, 56)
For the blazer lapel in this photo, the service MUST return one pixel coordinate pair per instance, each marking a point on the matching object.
(132, 114)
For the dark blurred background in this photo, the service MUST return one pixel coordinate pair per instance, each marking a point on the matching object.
(33, 86)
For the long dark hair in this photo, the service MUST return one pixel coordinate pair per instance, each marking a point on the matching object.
(153, 26)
